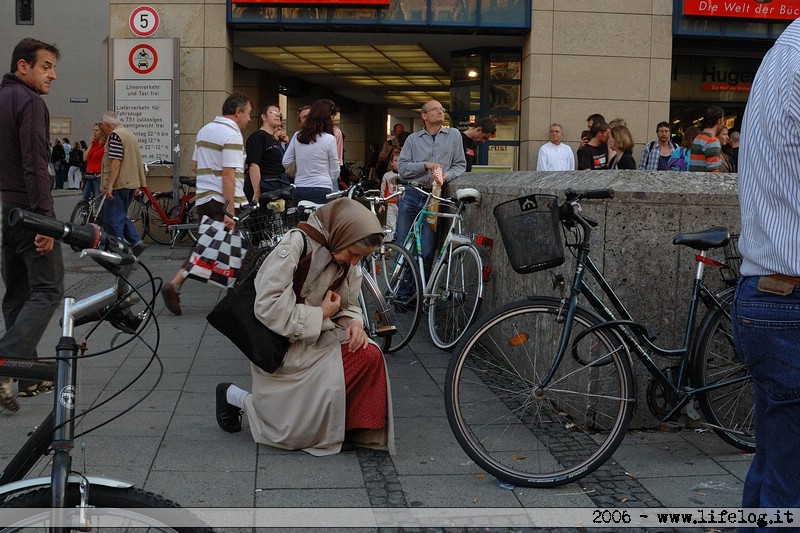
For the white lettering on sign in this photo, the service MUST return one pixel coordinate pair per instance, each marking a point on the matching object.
(145, 108)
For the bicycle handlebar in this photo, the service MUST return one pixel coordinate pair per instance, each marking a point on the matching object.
(594, 194)
(112, 253)
(159, 162)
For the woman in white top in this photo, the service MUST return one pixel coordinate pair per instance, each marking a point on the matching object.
(313, 150)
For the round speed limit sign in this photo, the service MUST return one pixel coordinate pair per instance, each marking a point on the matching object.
(144, 21)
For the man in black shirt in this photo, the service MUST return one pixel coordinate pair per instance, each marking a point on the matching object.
(480, 131)
(265, 155)
(594, 156)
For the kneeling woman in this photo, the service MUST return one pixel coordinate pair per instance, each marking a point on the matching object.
(333, 384)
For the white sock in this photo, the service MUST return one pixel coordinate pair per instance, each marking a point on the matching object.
(236, 396)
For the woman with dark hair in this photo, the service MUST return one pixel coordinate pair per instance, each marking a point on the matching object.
(686, 146)
(727, 160)
(314, 152)
(332, 386)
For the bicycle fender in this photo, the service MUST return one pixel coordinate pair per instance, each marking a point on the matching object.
(25, 484)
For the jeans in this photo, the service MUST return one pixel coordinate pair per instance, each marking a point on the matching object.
(766, 329)
(116, 218)
(408, 206)
(311, 194)
(34, 288)
(91, 188)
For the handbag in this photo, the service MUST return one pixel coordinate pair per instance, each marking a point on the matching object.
(234, 317)
(217, 257)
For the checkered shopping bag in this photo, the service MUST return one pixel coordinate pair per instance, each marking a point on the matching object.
(217, 257)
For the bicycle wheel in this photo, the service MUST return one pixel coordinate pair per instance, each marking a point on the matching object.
(108, 506)
(728, 409)
(192, 218)
(525, 434)
(378, 316)
(395, 270)
(457, 295)
(156, 227)
(252, 262)
(137, 214)
(81, 213)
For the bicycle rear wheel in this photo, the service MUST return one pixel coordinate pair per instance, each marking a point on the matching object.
(109, 506)
(192, 218)
(396, 274)
(137, 214)
(156, 227)
(457, 296)
(530, 435)
(728, 409)
(378, 317)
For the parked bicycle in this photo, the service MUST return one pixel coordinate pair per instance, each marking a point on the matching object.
(67, 499)
(453, 293)
(156, 214)
(541, 391)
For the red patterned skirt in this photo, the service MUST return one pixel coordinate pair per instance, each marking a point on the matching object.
(365, 388)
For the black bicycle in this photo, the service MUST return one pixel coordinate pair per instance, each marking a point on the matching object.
(541, 391)
(68, 499)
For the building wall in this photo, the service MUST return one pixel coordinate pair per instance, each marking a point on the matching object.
(611, 57)
(82, 71)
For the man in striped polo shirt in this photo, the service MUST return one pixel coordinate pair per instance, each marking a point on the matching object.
(218, 161)
(706, 149)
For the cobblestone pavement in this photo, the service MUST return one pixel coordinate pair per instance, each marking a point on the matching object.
(170, 443)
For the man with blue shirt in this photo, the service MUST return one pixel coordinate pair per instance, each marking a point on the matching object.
(433, 153)
(766, 313)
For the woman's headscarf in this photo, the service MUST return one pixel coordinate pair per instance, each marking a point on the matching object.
(343, 222)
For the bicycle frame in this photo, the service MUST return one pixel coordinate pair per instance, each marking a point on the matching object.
(632, 332)
(58, 429)
(165, 218)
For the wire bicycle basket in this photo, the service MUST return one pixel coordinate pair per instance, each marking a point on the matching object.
(733, 260)
(531, 232)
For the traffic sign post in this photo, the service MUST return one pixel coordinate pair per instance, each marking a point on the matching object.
(144, 21)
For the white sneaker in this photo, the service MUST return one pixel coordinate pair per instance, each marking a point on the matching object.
(7, 398)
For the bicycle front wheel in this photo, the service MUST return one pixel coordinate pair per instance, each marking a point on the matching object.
(457, 295)
(156, 227)
(378, 317)
(729, 408)
(192, 218)
(529, 434)
(81, 213)
(400, 283)
(108, 506)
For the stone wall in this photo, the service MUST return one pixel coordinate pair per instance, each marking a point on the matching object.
(632, 245)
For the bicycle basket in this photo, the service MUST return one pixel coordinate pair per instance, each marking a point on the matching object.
(531, 232)
(733, 260)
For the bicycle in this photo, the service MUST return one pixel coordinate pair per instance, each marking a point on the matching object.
(541, 390)
(68, 499)
(453, 293)
(155, 214)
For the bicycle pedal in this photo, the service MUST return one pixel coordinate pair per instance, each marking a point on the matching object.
(669, 426)
(385, 331)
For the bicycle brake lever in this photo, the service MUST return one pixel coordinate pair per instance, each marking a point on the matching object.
(102, 255)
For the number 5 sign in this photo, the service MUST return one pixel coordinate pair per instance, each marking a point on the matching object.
(144, 21)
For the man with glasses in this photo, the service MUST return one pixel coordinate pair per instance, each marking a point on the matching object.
(480, 131)
(434, 153)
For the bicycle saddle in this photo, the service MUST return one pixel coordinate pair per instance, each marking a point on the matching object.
(715, 237)
(308, 204)
(189, 182)
(468, 196)
(278, 194)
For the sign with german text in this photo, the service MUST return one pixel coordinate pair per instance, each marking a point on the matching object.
(320, 3)
(747, 9)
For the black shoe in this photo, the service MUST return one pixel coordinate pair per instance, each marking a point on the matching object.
(138, 248)
(229, 417)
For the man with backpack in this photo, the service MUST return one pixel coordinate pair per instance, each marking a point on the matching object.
(656, 154)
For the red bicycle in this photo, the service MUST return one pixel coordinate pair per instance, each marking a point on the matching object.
(155, 213)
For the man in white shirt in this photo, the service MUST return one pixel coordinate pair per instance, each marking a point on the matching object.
(555, 155)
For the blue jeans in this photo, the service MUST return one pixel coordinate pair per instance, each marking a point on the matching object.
(766, 329)
(408, 206)
(116, 218)
(91, 188)
(34, 288)
(311, 194)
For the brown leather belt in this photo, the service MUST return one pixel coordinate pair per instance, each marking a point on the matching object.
(788, 279)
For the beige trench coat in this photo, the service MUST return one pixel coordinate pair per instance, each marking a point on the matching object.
(302, 404)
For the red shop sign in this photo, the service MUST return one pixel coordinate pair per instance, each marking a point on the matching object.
(747, 9)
